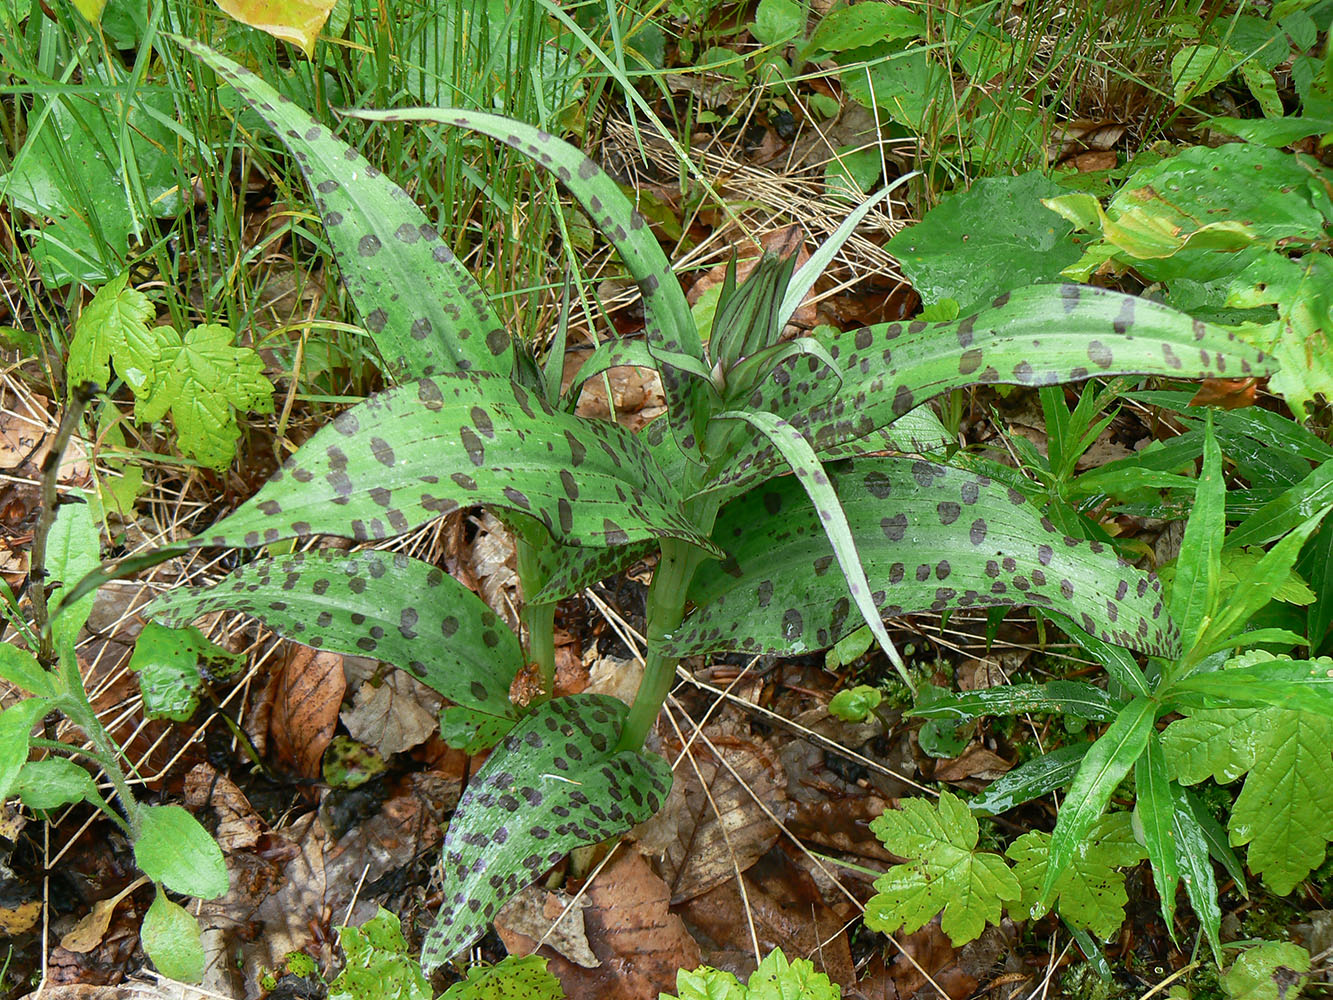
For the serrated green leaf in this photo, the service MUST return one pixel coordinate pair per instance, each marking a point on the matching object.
(174, 849)
(52, 783)
(378, 966)
(114, 325)
(1090, 893)
(1285, 808)
(778, 979)
(172, 664)
(203, 379)
(557, 783)
(512, 978)
(400, 610)
(385, 247)
(409, 454)
(930, 537)
(1272, 970)
(945, 872)
(170, 936)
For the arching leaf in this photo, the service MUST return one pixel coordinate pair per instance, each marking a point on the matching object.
(931, 538)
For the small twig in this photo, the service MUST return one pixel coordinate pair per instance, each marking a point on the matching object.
(79, 400)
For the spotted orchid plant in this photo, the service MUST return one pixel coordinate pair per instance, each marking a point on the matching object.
(745, 551)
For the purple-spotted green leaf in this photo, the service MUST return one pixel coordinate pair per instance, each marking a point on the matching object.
(557, 783)
(669, 329)
(931, 538)
(1042, 335)
(1154, 810)
(1104, 766)
(1030, 780)
(426, 313)
(1069, 697)
(432, 446)
(578, 568)
(399, 610)
(1196, 868)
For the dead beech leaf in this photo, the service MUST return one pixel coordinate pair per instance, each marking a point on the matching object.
(532, 916)
(295, 21)
(975, 762)
(1228, 393)
(389, 716)
(88, 932)
(704, 837)
(638, 941)
(309, 692)
(239, 826)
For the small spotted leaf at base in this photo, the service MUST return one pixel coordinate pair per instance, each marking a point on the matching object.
(555, 783)
(944, 871)
(1041, 335)
(426, 313)
(409, 454)
(399, 610)
(931, 538)
(1272, 970)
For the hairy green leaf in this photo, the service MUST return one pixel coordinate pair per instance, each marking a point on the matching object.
(397, 609)
(16, 724)
(425, 311)
(173, 848)
(930, 538)
(170, 936)
(405, 456)
(557, 783)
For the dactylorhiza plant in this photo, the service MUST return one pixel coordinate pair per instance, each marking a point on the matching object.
(474, 420)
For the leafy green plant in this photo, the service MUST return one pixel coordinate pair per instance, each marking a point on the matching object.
(479, 421)
(1254, 713)
(775, 978)
(1268, 971)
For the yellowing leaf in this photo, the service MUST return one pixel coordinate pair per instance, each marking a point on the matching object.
(295, 21)
(1285, 808)
(90, 9)
(1268, 971)
(1090, 893)
(115, 325)
(203, 380)
(944, 871)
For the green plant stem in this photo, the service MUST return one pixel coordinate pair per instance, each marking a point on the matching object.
(538, 620)
(80, 711)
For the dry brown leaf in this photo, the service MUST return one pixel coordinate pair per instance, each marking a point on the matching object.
(841, 825)
(638, 941)
(309, 693)
(975, 762)
(702, 838)
(389, 716)
(239, 826)
(532, 916)
(88, 932)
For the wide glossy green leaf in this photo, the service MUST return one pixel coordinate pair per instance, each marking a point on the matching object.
(1069, 697)
(1193, 594)
(1042, 335)
(555, 783)
(1155, 810)
(1030, 780)
(1104, 766)
(930, 538)
(412, 453)
(383, 604)
(426, 313)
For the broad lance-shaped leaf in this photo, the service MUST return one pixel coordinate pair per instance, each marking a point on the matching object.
(1034, 336)
(669, 327)
(426, 313)
(556, 783)
(406, 455)
(931, 538)
(383, 604)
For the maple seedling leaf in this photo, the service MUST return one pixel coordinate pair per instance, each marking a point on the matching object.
(115, 325)
(203, 379)
(944, 870)
(1285, 808)
(1090, 893)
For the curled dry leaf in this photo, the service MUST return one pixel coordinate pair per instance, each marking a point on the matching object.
(88, 932)
(390, 716)
(975, 762)
(308, 692)
(238, 825)
(554, 919)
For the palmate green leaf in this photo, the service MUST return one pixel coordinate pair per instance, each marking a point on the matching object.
(115, 325)
(378, 966)
(203, 379)
(409, 454)
(1042, 335)
(930, 538)
(399, 610)
(1091, 892)
(426, 313)
(1285, 808)
(557, 783)
(511, 978)
(945, 872)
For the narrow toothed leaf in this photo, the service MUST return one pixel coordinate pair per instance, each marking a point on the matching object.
(383, 604)
(669, 327)
(426, 313)
(1034, 336)
(409, 454)
(931, 538)
(557, 783)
